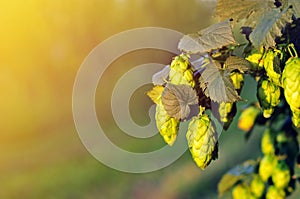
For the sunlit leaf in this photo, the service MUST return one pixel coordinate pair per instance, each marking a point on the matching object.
(269, 27)
(236, 174)
(217, 85)
(178, 99)
(236, 63)
(213, 37)
(246, 11)
(155, 93)
(160, 77)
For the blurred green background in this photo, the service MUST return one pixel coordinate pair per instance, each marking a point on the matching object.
(42, 44)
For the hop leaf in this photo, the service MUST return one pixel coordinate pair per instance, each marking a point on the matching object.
(178, 99)
(291, 86)
(268, 95)
(213, 37)
(202, 140)
(167, 126)
(217, 84)
(281, 175)
(234, 63)
(181, 71)
(269, 27)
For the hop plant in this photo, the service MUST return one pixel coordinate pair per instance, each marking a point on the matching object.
(271, 66)
(267, 142)
(281, 175)
(256, 58)
(181, 71)
(257, 186)
(225, 108)
(266, 167)
(291, 86)
(275, 193)
(248, 117)
(202, 140)
(268, 95)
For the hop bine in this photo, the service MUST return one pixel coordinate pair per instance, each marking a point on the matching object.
(202, 140)
(291, 86)
(268, 95)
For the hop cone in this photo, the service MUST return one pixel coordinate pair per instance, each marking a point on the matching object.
(267, 142)
(291, 86)
(266, 167)
(256, 58)
(181, 71)
(202, 140)
(167, 126)
(257, 186)
(275, 193)
(247, 118)
(242, 191)
(281, 175)
(237, 80)
(268, 95)
(272, 66)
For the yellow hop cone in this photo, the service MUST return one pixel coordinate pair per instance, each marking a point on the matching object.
(257, 186)
(181, 71)
(273, 70)
(166, 125)
(202, 140)
(237, 80)
(247, 118)
(268, 95)
(241, 191)
(266, 167)
(267, 142)
(224, 111)
(291, 86)
(281, 175)
(256, 58)
(275, 193)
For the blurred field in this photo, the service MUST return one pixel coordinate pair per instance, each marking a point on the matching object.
(42, 44)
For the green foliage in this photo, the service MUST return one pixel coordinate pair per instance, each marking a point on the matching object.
(246, 39)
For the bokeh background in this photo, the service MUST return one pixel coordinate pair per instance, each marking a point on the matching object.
(42, 45)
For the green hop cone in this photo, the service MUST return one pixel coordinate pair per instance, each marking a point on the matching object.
(268, 95)
(267, 142)
(225, 109)
(257, 186)
(266, 167)
(242, 191)
(202, 140)
(291, 86)
(275, 193)
(247, 118)
(256, 58)
(271, 65)
(237, 80)
(167, 126)
(281, 175)
(181, 71)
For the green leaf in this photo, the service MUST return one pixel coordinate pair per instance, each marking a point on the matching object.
(213, 37)
(236, 174)
(248, 12)
(178, 99)
(236, 63)
(217, 84)
(296, 7)
(269, 27)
